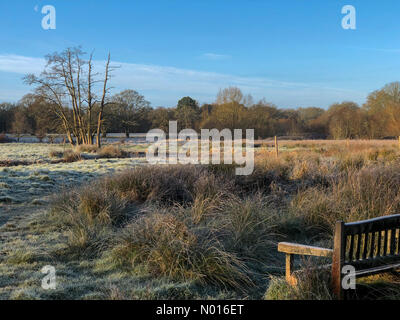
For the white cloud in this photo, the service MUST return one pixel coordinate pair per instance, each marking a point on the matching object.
(165, 85)
(215, 56)
(21, 64)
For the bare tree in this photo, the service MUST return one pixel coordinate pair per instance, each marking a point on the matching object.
(69, 84)
(103, 102)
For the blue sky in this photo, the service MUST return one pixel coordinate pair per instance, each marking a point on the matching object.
(292, 52)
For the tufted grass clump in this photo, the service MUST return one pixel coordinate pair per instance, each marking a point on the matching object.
(356, 195)
(112, 151)
(166, 246)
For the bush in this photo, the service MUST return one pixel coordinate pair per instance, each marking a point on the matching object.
(71, 156)
(90, 148)
(90, 214)
(250, 228)
(111, 151)
(163, 184)
(168, 247)
(104, 207)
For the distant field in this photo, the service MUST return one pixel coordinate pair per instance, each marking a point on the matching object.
(185, 232)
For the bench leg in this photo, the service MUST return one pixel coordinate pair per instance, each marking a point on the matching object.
(339, 248)
(290, 278)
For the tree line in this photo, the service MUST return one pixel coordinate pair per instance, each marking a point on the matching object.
(71, 98)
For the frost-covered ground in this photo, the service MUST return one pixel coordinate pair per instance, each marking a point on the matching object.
(28, 242)
(25, 191)
(40, 152)
(29, 183)
(31, 152)
(32, 184)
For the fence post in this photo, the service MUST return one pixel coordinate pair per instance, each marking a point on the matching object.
(276, 147)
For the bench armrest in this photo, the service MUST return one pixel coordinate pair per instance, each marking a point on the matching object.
(301, 249)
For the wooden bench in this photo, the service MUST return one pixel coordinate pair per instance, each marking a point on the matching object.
(370, 246)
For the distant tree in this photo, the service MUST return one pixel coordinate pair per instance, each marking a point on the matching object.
(129, 108)
(308, 114)
(40, 115)
(383, 110)
(206, 120)
(187, 102)
(290, 123)
(230, 110)
(160, 118)
(6, 116)
(311, 121)
(262, 117)
(20, 124)
(187, 113)
(344, 120)
(229, 95)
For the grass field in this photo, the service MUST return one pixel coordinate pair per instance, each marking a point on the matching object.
(115, 228)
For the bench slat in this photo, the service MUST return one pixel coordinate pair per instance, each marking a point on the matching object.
(380, 269)
(300, 249)
(371, 255)
(366, 241)
(398, 241)
(351, 257)
(358, 247)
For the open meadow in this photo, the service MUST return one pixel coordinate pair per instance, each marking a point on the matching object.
(116, 228)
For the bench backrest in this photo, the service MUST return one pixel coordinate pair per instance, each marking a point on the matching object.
(371, 241)
(365, 244)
